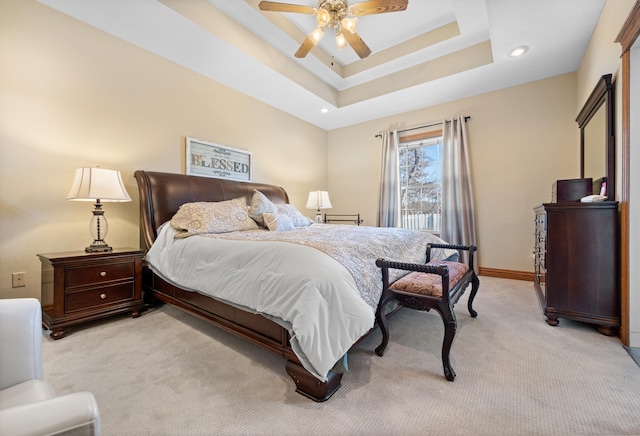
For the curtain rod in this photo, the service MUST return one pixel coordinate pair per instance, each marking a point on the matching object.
(467, 117)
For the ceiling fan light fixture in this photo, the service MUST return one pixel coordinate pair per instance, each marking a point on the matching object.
(323, 17)
(316, 35)
(340, 41)
(350, 23)
(339, 16)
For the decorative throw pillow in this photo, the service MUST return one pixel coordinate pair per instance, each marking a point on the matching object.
(260, 205)
(277, 222)
(212, 217)
(294, 215)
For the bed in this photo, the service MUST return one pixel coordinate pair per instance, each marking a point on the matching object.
(253, 274)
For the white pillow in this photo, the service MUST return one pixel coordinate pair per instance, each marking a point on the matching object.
(277, 222)
(212, 217)
(294, 215)
(260, 205)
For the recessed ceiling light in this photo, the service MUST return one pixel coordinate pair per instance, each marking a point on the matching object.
(518, 51)
(324, 110)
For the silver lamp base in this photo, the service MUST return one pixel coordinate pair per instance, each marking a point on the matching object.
(98, 247)
(98, 227)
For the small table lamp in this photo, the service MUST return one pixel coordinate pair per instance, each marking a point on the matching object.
(98, 184)
(318, 200)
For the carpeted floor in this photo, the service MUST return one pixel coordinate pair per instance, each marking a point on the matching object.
(168, 373)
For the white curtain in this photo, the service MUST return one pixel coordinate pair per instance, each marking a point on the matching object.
(458, 216)
(389, 204)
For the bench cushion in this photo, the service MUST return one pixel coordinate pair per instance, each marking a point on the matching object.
(430, 284)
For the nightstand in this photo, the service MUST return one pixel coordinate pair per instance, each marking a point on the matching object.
(79, 287)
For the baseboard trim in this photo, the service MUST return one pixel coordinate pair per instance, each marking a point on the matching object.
(506, 274)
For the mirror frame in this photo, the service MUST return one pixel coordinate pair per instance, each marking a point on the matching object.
(602, 94)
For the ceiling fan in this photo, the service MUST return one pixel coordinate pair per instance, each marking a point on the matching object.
(339, 16)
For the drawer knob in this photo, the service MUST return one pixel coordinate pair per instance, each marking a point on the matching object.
(103, 296)
(103, 274)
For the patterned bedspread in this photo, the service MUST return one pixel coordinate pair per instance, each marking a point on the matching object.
(356, 248)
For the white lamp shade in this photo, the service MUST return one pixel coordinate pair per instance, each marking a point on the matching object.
(91, 184)
(318, 200)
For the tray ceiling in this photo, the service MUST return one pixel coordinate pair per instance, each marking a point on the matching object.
(435, 51)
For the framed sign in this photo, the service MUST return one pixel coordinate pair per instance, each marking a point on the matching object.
(214, 160)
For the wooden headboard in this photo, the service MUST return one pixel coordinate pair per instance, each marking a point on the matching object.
(161, 194)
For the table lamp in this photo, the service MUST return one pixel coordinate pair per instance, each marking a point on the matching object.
(99, 185)
(318, 200)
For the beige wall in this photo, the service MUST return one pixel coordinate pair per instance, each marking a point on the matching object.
(603, 57)
(521, 139)
(72, 96)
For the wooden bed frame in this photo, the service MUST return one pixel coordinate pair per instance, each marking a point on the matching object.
(161, 194)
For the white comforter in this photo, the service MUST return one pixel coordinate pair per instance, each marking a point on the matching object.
(302, 288)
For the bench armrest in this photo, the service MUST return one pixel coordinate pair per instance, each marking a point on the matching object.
(407, 266)
(470, 248)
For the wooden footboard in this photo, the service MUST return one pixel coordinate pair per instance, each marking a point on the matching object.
(249, 326)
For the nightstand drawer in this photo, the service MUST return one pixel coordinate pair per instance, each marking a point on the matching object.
(97, 297)
(92, 275)
(78, 287)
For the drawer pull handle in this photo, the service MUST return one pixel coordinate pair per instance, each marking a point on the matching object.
(103, 274)
(103, 296)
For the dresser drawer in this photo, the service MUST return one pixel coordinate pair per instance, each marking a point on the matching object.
(92, 275)
(91, 298)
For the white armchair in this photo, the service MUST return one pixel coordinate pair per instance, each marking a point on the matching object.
(28, 405)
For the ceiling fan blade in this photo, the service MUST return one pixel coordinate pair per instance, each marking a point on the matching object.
(285, 7)
(378, 7)
(306, 46)
(357, 43)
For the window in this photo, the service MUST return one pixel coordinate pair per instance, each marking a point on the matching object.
(421, 182)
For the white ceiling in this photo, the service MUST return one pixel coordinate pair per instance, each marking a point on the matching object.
(435, 51)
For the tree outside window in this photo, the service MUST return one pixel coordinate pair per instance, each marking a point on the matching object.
(421, 184)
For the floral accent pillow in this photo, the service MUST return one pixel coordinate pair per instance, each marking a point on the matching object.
(212, 217)
(278, 222)
(260, 205)
(294, 215)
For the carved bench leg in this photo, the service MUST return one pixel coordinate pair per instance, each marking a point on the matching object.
(450, 327)
(475, 284)
(310, 386)
(381, 319)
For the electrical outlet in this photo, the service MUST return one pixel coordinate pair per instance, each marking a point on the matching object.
(19, 279)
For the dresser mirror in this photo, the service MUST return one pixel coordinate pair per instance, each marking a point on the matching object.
(597, 137)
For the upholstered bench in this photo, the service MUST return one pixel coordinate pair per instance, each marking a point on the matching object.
(433, 285)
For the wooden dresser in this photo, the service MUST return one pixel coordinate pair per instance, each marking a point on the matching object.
(79, 287)
(576, 265)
